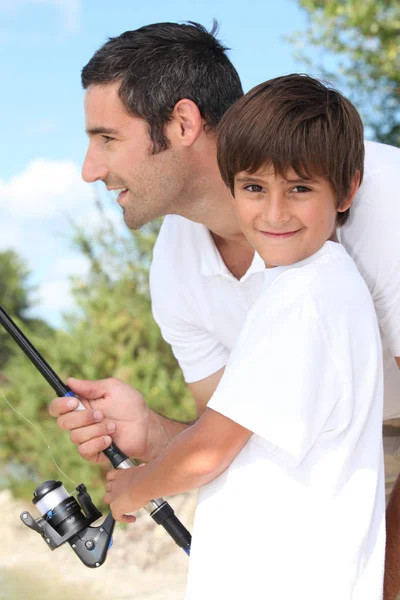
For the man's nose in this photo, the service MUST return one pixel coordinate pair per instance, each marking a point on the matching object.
(93, 169)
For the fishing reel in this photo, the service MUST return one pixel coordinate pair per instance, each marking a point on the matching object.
(66, 519)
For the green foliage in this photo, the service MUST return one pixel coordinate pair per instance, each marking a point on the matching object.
(15, 298)
(111, 334)
(114, 331)
(364, 36)
(14, 290)
(13, 295)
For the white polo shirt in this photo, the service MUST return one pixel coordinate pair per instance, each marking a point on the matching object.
(300, 512)
(200, 306)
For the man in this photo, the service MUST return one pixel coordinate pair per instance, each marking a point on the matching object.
(153, 99)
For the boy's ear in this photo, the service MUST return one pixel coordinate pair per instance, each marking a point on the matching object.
(186, 122)
(349, 201)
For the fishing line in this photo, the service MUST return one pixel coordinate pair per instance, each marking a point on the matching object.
(36, 428)
(160, 511)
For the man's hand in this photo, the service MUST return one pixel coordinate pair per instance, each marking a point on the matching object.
(124, 493)
(113, 408)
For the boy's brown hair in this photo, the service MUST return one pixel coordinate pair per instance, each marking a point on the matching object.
(294, 121)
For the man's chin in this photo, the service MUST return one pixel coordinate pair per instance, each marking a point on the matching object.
(133, 222)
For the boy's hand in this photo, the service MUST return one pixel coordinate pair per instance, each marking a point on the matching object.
(123, 493)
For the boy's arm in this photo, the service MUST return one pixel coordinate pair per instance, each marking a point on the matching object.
(195, 457)
(392, 562)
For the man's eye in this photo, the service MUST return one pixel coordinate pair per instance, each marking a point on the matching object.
(107, 138)
(301, 189)
(254, 188)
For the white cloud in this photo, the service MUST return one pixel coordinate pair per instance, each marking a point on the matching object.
(54, 298)
(45, 189)
(34, 209)
(11, 235)
(74, 265)
(94, 219)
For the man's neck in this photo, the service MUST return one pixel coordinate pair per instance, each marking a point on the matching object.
(237, 254)
(216, 211)
(208, 201)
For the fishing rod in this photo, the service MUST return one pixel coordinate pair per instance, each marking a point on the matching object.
(63, 517)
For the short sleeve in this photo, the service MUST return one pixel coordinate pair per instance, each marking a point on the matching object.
(198, 352)
(282, 382)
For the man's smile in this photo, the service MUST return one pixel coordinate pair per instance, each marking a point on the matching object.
(119, 193)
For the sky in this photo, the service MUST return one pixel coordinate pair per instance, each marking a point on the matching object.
(43, 46)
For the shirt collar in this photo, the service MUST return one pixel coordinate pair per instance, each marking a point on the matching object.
(211, 263)
(323, 254)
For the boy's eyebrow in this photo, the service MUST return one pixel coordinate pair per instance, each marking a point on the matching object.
(101, 131)
(248, 178)
(301, 180)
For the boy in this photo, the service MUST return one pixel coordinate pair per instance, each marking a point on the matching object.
(288, 452)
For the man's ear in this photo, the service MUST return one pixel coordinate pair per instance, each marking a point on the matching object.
(186, 122)
(354, 187)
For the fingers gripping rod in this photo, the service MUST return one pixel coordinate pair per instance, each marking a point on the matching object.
(162, 513)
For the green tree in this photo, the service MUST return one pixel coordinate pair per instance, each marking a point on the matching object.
(14, 294)
(15, 298)
(112, 333)
(364, 37)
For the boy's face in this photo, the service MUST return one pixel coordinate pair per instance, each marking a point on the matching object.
(285, 219)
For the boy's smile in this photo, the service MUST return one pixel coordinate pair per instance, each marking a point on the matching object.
(286, 219)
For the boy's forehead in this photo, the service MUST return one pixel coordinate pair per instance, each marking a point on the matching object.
(268, 171)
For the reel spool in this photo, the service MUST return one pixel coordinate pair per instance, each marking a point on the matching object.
(68, 519)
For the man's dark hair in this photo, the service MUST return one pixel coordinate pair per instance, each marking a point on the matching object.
(158, 65)
(294, 121)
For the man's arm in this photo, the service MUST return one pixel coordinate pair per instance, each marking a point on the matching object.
(204, 389)
(192, 459)
(392, 562)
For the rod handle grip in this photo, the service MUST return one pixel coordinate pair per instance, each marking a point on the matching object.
(113, 453)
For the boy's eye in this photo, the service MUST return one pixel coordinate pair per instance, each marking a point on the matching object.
(301, 189)
(253, 187)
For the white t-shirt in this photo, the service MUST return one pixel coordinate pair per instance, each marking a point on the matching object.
(299, 513)
(200, 306)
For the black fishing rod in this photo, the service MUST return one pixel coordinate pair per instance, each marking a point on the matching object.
(162, 513)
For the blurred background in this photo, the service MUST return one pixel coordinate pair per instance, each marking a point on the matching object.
(72, 275)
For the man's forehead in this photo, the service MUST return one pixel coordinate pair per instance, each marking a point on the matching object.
(104, 111)
(98, 96)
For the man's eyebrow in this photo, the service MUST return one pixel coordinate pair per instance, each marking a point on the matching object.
(101, 131)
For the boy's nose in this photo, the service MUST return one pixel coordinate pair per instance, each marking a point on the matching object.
(275, 211)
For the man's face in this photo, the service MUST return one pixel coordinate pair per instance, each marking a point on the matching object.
(285, 219)
(120, 155)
